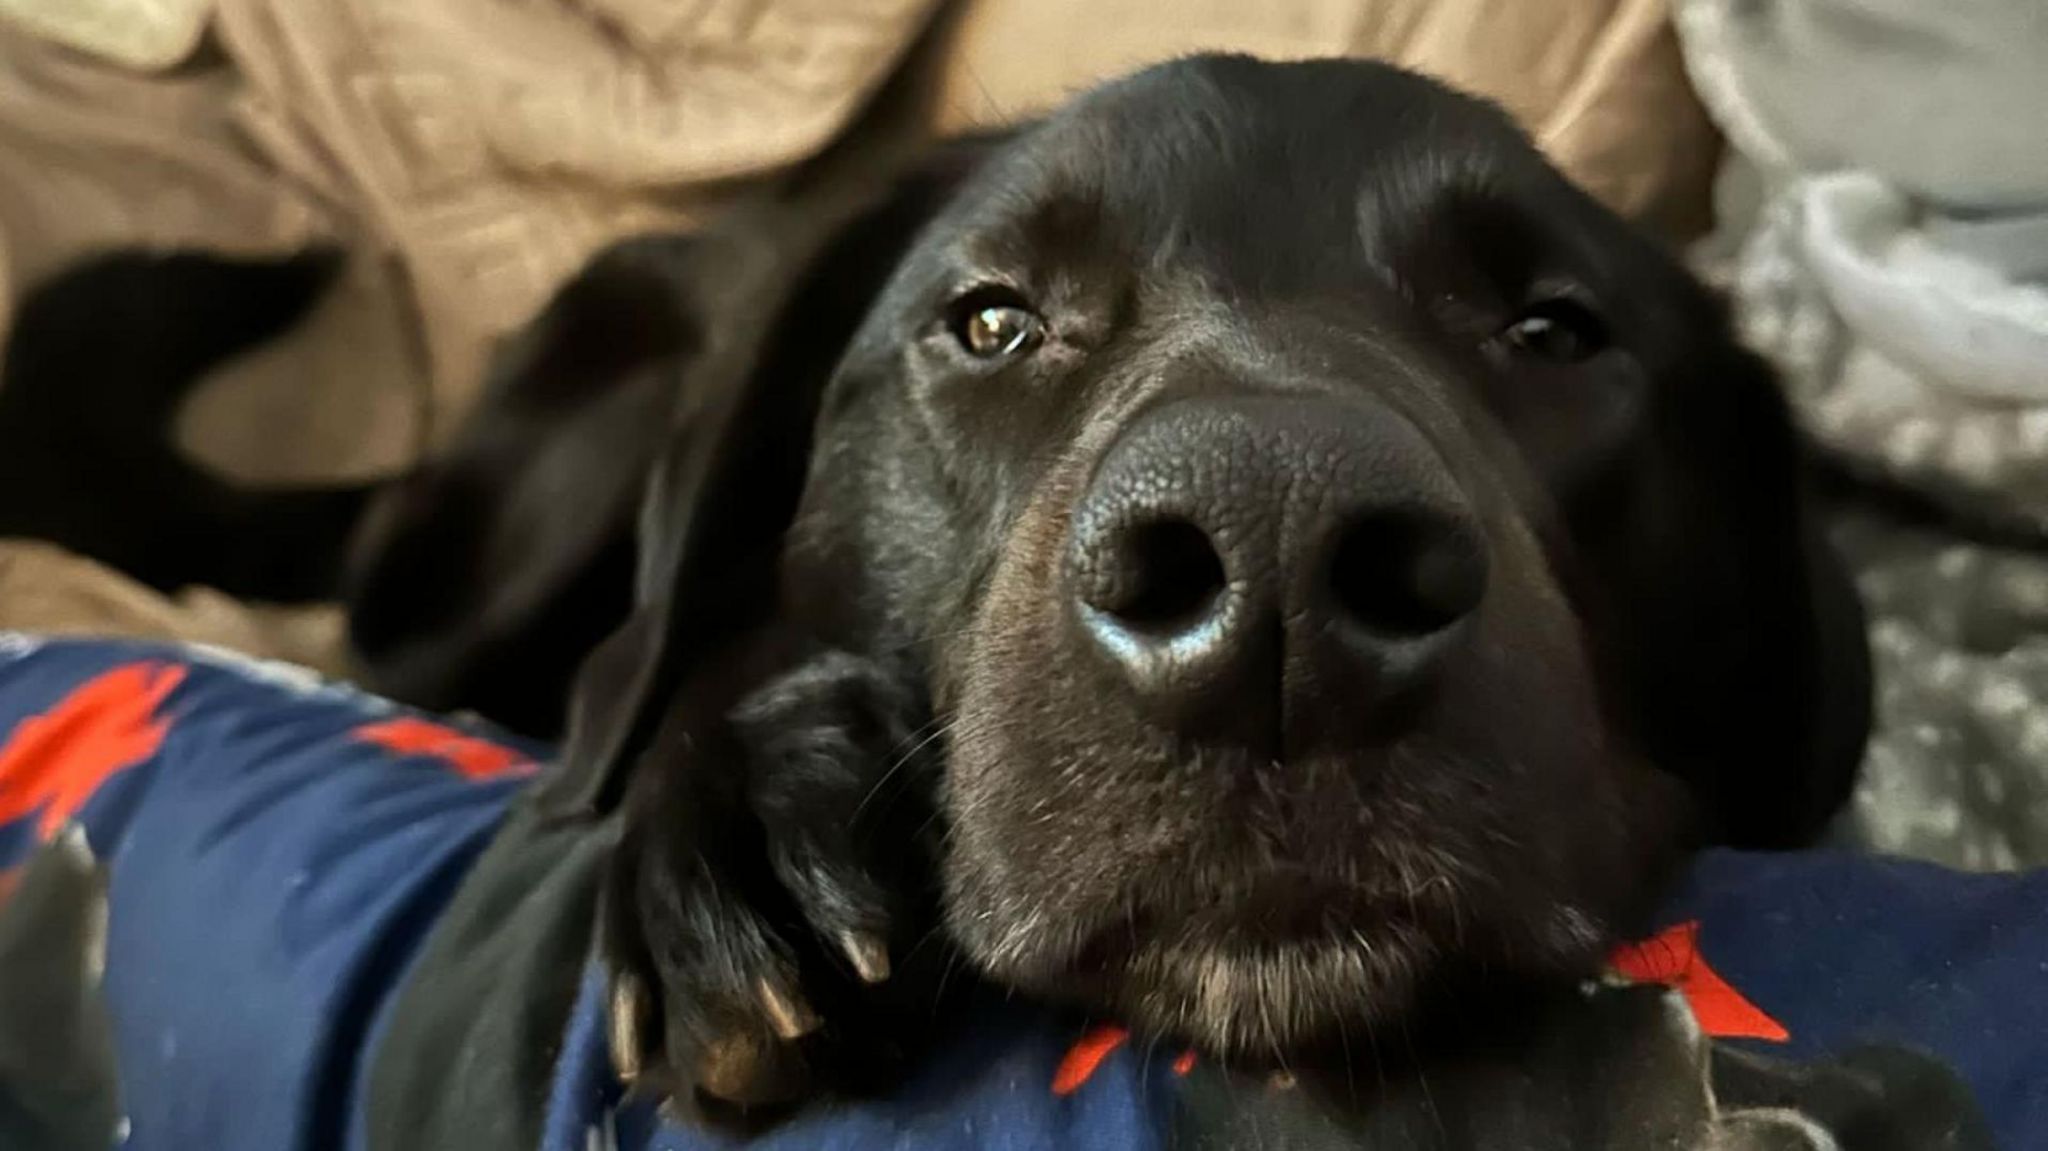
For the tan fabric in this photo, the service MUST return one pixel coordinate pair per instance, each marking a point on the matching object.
(50, 591)
(144, 34)
(494, 147)
(92, 157)
(480, 151)
(474, 153)
(1599, 83)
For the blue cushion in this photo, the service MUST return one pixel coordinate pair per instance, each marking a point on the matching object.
(279, 848)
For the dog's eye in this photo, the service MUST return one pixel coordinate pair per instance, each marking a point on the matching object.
(992, 323)
(1560, 330)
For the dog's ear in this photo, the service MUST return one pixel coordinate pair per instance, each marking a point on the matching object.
(781, 288)
(1794, 643)
(1742, 654)
(1837, 728)
(481, 578)
(1821, 657)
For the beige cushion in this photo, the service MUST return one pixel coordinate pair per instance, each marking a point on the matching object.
(493, 147)
(145, 34)
(94, 157)
(1599, 83)
(46, 590)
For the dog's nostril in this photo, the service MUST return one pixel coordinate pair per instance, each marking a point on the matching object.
(1170, 575)
(1406, 574)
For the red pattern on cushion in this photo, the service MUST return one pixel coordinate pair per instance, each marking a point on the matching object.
(53, 762)
(472, 758)
(1673, 958)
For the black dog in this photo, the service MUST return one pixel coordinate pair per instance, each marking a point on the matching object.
(1250, 551)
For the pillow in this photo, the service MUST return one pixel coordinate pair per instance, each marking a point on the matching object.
(1598, 83)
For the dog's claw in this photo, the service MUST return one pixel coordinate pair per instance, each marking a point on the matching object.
(746, 1069)
(868, 954)
(729, 1066)
(788, 1013)
(623, 1027)
(673, 1113)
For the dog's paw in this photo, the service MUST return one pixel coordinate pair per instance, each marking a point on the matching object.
(767, 881)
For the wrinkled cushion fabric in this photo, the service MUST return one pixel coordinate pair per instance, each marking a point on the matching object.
(1598, 83)
(495, 148)
(485, 150)
(147, 35)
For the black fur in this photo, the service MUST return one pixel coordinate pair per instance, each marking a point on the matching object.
(97, 363)
(480, 580)
(843, 704)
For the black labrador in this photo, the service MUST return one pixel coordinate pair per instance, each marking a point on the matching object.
(1251, 552)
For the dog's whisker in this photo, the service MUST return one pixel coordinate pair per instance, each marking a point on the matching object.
(1350, 1073)
(916, 734)
(896, 766)
(987, 98)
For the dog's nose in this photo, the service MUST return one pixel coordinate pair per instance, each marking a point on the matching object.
(1273, 569)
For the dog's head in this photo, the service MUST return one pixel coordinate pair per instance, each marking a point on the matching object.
(1337, 552)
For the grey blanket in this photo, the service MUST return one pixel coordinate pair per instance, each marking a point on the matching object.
(1884, 237)
(1958, 764)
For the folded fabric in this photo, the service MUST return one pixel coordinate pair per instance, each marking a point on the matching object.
(1598, 83)
(1938, 100)
(95, 157)
(1913, 357)
(473, 154)
(1884, 236)
(145, 34)
(291, 868)
(53, 592)
(1894, 258)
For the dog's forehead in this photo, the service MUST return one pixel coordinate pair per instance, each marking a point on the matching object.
(1247, 155)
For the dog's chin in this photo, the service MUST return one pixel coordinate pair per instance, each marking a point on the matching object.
(1253, 1000)
(1289, 966)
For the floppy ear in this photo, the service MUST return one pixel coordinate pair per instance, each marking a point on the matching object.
(1838, 726)
(780, 289)
(1740, 640)
(479, 580)
(1795, 647)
